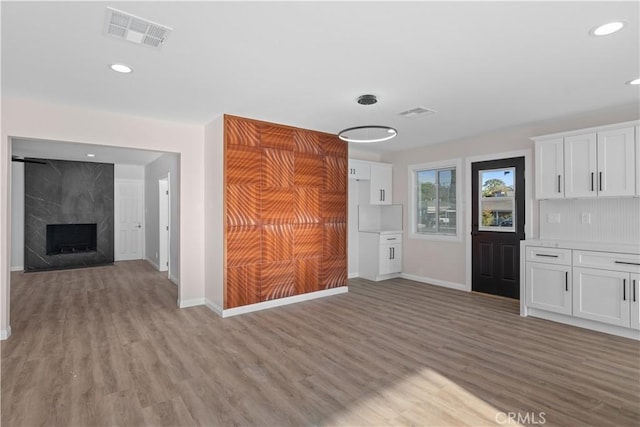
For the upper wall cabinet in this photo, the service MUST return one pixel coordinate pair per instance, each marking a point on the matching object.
(359, 169)
(381, 180)
(637, 160)
(596, 162)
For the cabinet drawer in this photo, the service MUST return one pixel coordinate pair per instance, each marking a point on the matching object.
(388, 239)
(548, 255)
(607, 261)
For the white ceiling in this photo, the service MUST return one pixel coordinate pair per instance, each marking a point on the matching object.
(59, 150)
(481, 65)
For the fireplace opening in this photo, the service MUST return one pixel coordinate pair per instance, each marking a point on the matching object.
(71, 238)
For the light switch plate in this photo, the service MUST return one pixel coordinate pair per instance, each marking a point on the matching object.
(553, 218)
(585, 217)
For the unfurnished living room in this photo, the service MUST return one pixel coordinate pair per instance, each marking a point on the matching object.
(299, 213)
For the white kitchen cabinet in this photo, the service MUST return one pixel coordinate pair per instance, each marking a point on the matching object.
(380, 255)
(381, 184)
(548, 287)
(616, 162)
(359, 169)
(580, 165)
(601, 295)
(635, 301)
(637, 144)
(596, 162)
(549, 160)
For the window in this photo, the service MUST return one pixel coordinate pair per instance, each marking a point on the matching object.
(434, 204)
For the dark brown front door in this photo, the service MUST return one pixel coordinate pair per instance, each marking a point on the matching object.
(497, 225)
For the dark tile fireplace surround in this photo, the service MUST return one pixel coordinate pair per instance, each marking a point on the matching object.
(68, 215)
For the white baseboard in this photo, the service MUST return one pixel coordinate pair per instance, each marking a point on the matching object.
(437, 282)
(214, 307)
(190, 302)
(274, 303)
(150, 261)
(353, 275)
(17, 268)
(5, 333)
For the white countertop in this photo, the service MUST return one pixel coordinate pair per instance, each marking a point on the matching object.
(381, 231)
(586, 246)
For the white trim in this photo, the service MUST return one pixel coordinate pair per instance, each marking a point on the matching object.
(173, 279)
(5, 334)
(214, 307)
(412, 189)
(190, 302)
(436, 282)
(17, 268)
(353, 275)
(276, 302)
(528, 199)
(585, 323)
(150, 261)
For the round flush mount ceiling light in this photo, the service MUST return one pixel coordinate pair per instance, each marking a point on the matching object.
(367, 134)
(121, 68)
(608, 28)
(634, 82)
(91, 155)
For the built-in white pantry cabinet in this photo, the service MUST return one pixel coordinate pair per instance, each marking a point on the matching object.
(359, 169)
(378, 177)
(587, 288)
(595, 162)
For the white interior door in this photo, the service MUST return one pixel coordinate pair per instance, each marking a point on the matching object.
(163, 215)
(129, 205)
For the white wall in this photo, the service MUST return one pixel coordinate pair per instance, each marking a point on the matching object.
(445, 261)
(17, 215)
(214, 214)
(41, 120)
(168, 163)
(134, 172)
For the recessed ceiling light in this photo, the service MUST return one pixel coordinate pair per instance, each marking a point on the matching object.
(634, 82)
(608, 28)
(121, 68)
(91, 155)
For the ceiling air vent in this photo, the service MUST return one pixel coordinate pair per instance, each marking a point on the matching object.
(417, 112)
(132, 28)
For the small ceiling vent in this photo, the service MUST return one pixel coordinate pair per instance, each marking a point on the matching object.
(123, 25)
(417, 112)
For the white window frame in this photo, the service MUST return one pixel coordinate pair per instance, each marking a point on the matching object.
(413, 188)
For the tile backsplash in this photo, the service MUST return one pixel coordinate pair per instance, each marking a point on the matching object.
(606, 220)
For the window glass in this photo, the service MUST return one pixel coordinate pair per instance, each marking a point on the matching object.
(436, 201)
(497, 199)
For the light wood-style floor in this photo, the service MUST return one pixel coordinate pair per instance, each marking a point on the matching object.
(107, 346)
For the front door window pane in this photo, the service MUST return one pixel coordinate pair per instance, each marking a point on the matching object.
(497, 200)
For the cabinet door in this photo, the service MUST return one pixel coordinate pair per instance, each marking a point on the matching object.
(635, 301)
(390, 259)
(616, 162)
(548, 287)
(380, 188)
(580, 166)
(358, 170)
(637, 144)
(549, 162)
(601, 295)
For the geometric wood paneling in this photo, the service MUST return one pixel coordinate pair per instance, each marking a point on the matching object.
(285, 210)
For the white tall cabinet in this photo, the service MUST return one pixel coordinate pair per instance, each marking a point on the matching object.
(381, 184)
(596, 162)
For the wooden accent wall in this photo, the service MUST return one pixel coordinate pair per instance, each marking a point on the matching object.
(285, 210)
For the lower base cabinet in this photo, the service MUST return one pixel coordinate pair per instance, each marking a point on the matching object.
(602, 295)
(379, 255)
(635, 301)
(548, 287)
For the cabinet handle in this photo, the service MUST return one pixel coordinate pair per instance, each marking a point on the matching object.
(627, 263)
(566, 281)
(634, 290)
(547, 255)
(393, 253)
(559, 184)
(624, 289)
(391, 238)
(383, 196)
(592, 174)
(600, 181)
(380, 195)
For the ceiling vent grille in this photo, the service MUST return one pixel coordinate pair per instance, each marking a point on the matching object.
(417, 112)
(132, 28)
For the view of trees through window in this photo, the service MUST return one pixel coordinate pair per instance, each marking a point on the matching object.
(436, 201)
(497, 198)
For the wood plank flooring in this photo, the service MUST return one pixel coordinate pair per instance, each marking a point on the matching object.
(107, 346)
